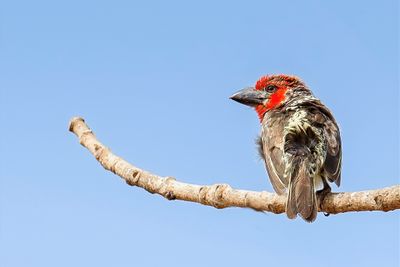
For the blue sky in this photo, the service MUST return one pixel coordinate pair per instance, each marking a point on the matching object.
(153, 79)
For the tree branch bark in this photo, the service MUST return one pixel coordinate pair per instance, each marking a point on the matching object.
(222, 195)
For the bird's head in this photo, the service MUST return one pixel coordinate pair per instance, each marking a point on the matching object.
(270, 92)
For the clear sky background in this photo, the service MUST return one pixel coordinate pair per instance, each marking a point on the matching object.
(152, 79)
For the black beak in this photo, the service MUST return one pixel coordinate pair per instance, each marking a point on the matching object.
(249, 96)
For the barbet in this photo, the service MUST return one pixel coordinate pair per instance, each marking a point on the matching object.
(299, 142)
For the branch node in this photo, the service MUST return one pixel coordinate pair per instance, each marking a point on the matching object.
(113, 164)
(166, 188)
(379, 201)
(170, 195)
(214, 195)
(133, 178)
(98, 151)
(219, 191)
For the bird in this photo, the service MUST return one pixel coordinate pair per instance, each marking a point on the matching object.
(299, 142)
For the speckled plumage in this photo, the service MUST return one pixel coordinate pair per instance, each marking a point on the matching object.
(299, 142)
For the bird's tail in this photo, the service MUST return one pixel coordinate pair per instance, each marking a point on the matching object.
(302, 198)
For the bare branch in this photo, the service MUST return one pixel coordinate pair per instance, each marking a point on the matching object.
(222, 195)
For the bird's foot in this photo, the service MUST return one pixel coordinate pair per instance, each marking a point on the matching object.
(321, 196)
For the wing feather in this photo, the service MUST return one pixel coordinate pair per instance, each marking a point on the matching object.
(322, 116)
(271, 148)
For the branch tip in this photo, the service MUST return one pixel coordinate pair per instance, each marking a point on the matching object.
(73, 121)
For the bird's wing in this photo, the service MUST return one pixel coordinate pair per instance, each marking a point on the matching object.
(271, 150)
(322, 116)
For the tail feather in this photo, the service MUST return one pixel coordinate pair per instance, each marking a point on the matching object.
(302, 196)
(291, 206)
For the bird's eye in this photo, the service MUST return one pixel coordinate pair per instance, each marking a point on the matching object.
(270, 88)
